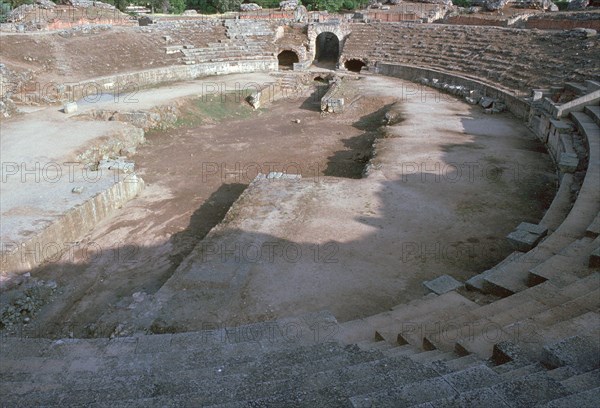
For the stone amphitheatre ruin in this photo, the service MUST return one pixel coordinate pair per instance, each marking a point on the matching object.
(389, 208)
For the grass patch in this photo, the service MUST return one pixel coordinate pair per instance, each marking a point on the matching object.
(214, 109)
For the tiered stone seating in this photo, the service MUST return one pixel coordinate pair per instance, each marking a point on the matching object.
(564, 254)
(237, 42)
(536, 346)
(258, 365)
(514, 59)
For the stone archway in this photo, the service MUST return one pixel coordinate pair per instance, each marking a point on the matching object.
(286, 59)
(339, 30)
(354, 65)
(327, 47)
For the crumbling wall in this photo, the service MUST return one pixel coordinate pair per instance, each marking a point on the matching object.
(331, 101)
(265, 94)
(517, 106)
(128, 84)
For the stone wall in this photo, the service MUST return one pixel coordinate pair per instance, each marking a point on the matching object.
(331, 102)
(478, 21)
(131, 82)
(518, 107)
(266, 94)
(23, 256)
(561, 24)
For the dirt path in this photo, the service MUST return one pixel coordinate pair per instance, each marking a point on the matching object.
(193, 176)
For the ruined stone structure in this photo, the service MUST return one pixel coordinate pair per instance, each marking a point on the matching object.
(522, 333)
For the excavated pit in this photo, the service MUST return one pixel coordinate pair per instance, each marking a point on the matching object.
(195, 171)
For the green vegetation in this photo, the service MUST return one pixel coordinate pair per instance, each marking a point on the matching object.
(207, 6)
(222, 6)
(4, 10)
(462, 3)
(214, 108)
(562, 4)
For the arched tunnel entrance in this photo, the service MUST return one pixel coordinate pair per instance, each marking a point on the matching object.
(354, 65)
(286, 59)
(327, 47)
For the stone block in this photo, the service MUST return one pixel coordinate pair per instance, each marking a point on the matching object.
(537, 95)
(561, 126)
(442, 284)
(568, 162)
(533, 228)
(523, 240)
(486, 102)
(70, 107)
(581, 351)
(595, 258)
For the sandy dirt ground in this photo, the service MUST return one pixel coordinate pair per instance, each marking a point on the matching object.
(194, 174)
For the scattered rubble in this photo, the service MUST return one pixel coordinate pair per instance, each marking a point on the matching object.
(250, 7)
(578, 4)
(26, 302)
(288, 5)
(471, 96)
(494, 5)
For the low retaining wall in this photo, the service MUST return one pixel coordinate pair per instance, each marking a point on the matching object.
(266, 94)
(478, 21)
(128, 84)
(19, 257)
(514, 104)
(561, 24)
(331, 103)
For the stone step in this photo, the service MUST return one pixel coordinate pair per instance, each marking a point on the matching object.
(480, 376)
(406, 350)
(593, 231)
(585, 399)
(517, 369)
(488, 320)
(564, 373)
(455, 364)
(582, 286)
(407, 325)
(407, 395)
(593, 111)
(429, 357)
(477, 282)
(531, 333)
(561, 204)
(581, 350)
(413, 331)
(259, 382)
(567, 266)
(483, 397)
(364, 329)
(374, 345)
(530, 390)
(585, 124)
(582, 382)
(578, 88)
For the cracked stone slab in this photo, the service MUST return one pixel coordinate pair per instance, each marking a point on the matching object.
(442, 284)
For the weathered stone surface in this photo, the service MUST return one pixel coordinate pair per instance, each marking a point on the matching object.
(568, 162)
(70, 107)
(486, 102)
(442, 284)
(586, 32)
(493, 5)
(580, 351)
(190, 13)
(526, 236)
(578, 4)
(250, 7)
(523, 240)
(288, 5)
(595, 258)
